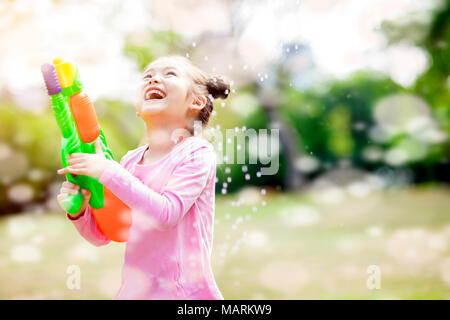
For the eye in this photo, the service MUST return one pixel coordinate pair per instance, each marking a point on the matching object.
(148, 75)
(172, 73)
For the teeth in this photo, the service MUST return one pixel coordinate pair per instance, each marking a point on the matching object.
(150, 92)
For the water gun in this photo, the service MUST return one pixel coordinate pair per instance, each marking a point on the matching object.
(76, 117)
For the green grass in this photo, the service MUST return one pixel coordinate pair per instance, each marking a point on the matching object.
(321, 252)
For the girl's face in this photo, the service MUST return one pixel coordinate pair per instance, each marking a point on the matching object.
(165, 88)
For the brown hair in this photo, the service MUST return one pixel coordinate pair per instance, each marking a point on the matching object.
(212, 87)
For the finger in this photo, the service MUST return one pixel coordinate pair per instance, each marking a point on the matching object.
(63, 170)
(78, 166)
(71, 170)
(98, 148)
(65, 190)
(72, 161)
(61, 196)
(68, 184)
(81, 156)
(77, 171)
(71, 191)
(68, 189)
(86, 193)
(77, 154)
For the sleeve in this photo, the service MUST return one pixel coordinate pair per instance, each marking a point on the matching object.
(167, 208)
(87, 226)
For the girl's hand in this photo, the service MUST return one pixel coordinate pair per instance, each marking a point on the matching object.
(71, 188)
(87, 164)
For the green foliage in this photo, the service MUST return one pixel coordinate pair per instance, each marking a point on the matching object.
(22, 132)
(433, 37)
(122, 129)
(328, 120)
(340, 141)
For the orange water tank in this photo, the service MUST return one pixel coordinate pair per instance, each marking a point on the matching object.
(114, 218)
(85, 117)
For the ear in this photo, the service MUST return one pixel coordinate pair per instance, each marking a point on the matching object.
(198, 103)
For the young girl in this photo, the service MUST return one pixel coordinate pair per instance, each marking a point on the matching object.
(168, 183)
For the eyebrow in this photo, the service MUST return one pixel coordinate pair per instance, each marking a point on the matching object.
(165, 68)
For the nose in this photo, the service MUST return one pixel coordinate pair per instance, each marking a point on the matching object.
(154, 79)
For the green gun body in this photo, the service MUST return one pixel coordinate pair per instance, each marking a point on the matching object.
(72, 129)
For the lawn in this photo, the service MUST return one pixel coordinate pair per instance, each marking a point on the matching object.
(267, 245)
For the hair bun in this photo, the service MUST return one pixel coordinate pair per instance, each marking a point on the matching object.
(218, 87)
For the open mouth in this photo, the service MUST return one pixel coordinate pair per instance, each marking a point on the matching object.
(154, 93)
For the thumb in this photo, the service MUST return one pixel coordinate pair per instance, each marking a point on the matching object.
(86, 194)
(98, 147)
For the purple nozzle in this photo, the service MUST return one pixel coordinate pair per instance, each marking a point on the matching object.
(51, 79)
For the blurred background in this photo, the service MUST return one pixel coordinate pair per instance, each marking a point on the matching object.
(358, 89)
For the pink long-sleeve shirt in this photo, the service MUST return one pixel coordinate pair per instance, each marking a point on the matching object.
(168, 252)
